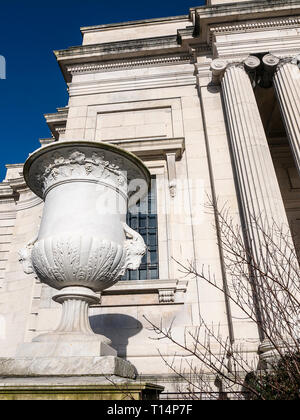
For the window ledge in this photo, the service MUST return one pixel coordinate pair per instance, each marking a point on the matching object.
(145, 292)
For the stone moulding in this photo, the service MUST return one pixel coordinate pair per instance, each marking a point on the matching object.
(120, 64)
(251, 26)
(121, 46)
(57, 121)
(234, 14)
(158, 291)
(172, 78)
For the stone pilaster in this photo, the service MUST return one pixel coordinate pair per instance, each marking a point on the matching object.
(287, 87)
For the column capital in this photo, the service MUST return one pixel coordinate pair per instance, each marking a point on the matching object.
(260, 70)
(289, 60)
(270, 63)
(219, 66)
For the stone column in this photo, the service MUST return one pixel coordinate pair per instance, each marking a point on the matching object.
(256, 178)
(257, 185)
(287, 87)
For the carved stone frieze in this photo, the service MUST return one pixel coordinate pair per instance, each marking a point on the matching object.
(75, 164)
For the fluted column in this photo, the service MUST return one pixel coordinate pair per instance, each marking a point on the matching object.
(256, 178)
(287, 87)
(257, 185)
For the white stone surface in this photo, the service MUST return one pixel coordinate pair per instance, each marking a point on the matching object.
(160, 92)
(67, 366)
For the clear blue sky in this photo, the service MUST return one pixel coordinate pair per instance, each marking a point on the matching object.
(29, 32)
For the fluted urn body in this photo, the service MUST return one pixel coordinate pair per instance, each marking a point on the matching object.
(84, 245)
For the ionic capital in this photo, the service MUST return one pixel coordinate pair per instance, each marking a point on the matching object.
(260, 69)
(270, 62)
(289, 60)
(296, 60)
(252, 63)
(218, 68)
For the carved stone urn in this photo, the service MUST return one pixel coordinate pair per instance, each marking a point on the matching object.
(84, 245)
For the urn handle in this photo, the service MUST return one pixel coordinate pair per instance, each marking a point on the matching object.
(135, 247)
(25, 256)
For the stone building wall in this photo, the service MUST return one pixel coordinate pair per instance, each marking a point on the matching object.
(148, 87)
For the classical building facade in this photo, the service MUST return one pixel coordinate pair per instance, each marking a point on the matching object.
(210, 102)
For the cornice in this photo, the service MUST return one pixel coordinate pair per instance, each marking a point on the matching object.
(60, 115)
(130, 63)
(9, 194)
(242, 14)
(250, 26)
(127, 54)
(12, 187)
(45, 142)
(119, 47)
(6, 191)
(57, 121)
(135, 23)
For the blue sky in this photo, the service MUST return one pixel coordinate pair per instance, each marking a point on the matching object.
(29, 32)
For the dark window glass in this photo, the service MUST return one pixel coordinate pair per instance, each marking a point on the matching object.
(145, 223)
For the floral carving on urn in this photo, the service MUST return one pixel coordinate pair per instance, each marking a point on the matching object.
(84, 242)
(79, 260)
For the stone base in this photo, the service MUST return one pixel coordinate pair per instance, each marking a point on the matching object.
(74, 388)
(67, 366)
(67, 349)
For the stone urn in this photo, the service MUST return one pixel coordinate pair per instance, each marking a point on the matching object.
(84, 245)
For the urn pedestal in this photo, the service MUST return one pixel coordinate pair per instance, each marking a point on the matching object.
(83, 247)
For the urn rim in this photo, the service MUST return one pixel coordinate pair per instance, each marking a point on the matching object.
(144, 171)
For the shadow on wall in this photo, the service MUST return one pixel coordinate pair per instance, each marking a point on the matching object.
(118, 328)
